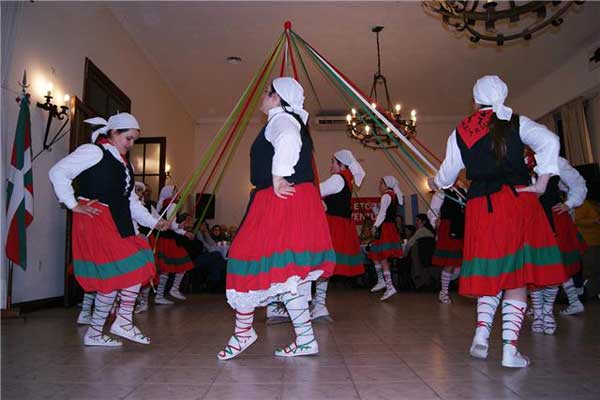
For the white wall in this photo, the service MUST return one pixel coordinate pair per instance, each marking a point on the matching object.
(51, 44)
(233, 194)
(570, 80)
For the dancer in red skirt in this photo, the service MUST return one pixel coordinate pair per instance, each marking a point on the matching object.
(108, 258)
(171, 257)
(568, 238)
(283, 243)
(336, 192)
(448, 216)
(387, 239)
(508, 242)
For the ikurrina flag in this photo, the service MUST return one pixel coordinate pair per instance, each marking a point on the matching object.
(19, 192)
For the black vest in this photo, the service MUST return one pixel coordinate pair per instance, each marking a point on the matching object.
(454, 212)
(390, 214)
(339, 204)
(105, 181)
(550, 198)
(487, 175)
(261, 160)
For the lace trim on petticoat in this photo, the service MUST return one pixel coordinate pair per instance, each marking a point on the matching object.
(260, 298)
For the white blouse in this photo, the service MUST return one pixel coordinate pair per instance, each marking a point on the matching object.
(283, 132)
(545, 144)
(436, 205)
(332, 185)
(386, 200)
(572, 183)
(84, 157)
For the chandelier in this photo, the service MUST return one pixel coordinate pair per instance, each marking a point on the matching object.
(500, 21)
(362, 127)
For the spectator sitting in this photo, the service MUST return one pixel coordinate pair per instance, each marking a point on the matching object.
(409, 231)
(216, 233)
(424, 229)
(211, 264)
(205, 237)
(232, 231)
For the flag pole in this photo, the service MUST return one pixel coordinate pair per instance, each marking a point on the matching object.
(10, 312)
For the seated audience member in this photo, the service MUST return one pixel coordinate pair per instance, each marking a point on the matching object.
(423, 230)
(409, 231)
(205, 237)
(211, 264)
(216, 232)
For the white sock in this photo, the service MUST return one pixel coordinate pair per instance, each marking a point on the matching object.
(177, 281)
(88, 302)
(321, 292)
(162, 283)
(379, 271)
(486, 309)
(537, 303)
(144, 294)
(125, 312)
(549, 295)
(571, 291)
(102, 306)
(297, 308)
(387, 276)
(446, 278)
(513, 313)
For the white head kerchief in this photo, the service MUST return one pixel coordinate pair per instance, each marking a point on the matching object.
(139, 185)
(117, 121)
(291, 91)
(347, 158)
(165, 193)
(391, 182)
(492, 91)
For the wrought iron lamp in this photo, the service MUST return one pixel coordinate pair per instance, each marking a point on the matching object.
(362, 127)
(500, 21)
(53, 112)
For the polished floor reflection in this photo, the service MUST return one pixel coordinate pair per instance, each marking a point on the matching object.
(410, 347)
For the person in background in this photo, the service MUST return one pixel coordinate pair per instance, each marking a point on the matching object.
(448, 216)
(423, 230)
(387, 239)
(587, 219)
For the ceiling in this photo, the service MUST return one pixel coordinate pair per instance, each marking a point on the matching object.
(427, 67)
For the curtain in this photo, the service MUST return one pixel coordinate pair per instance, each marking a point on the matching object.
(592, 112)
(576, 135)
(548, 121)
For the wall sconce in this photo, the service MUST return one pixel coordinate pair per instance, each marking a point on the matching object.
(168, 170)
(53, 112)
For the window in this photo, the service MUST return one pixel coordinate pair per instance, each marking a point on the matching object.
(148, 158)
(101, 94)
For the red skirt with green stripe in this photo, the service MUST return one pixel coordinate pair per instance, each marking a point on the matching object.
(349, 260)
(448, 250)
(103, 261)
(280, 244)
(570, 242)
(511, 247)
(388, 245)
(171, 257)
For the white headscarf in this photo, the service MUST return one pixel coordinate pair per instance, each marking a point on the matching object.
(347, 158)
(139, 185)
(492, 91)
(391, 182)
(293, 94)
(117, 121)
(165, 193)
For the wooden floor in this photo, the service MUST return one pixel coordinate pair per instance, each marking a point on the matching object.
(410, 347)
